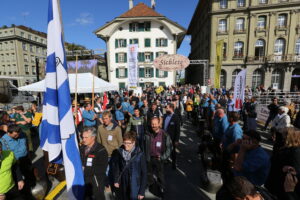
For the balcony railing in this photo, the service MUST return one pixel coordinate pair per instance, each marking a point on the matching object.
(239, 31)
(274, 58)
(281, 27)
(238, 57)
(220, 32)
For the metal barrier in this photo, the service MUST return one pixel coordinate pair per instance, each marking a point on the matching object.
(283, 98)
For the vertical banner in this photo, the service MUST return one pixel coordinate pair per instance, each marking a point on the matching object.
(239, 90)
(218, 65)
(132, 66)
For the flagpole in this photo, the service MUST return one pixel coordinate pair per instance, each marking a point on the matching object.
(93, 88)
(76, 70)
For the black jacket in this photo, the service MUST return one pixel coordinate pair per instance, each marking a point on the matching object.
(98, 158)
(173, 128)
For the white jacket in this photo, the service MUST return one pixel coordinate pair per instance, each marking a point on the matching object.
(281, 121)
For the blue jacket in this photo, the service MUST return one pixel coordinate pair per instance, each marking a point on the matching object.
(18, 146)
(220, 126)
(88, 118)
(125, 106)
(131, 109)
(232, 133)
(133, 178)
(119, 115)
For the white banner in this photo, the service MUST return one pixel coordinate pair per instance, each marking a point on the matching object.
(132, 66)
(262, 113)
(239, 90)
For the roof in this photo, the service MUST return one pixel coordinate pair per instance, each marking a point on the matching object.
(25, 28)
(141, 10)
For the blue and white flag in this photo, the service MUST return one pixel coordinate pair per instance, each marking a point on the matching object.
(58, 136)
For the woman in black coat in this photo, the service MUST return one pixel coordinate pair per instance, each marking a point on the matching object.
(288, 155)
(128, 169)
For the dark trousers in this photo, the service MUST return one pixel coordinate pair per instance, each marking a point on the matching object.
(30, 180)
(270, 118)
(156, 172)
(173, 155)
(14, 194)
(94, 188)
(189, 114)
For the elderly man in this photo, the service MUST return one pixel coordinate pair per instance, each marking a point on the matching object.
(94, 163)
(282, 120)
(220, 125)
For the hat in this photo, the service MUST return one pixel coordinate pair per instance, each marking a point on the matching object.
(73, 103)
(87, 99)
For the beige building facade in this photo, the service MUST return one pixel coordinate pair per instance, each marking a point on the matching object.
(20, 49)
(262, 36)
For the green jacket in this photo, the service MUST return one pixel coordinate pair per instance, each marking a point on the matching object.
(7, 181)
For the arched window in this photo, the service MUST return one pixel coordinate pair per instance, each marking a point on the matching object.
(297, 47)
(277, 79)
(223, 78)
(222, 25)
(257, 78)
(262, 22)
(259, 49)
(282, 20)
(279, 46)
(240, 24)
(223, 3)
(238, 49)
(234, 74)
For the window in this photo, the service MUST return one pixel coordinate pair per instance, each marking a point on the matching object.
(223, 4)
(279, 46)
(222, 25)
(223, 78)
(24, 46)
(240, 3)
(147, 42)
(25, 57)
(148, 56)
(7, 57)
(239, 25)
(0, 46)
(26, 69)
(37, 50)
(36, 39)
(121, 57)
(33, 70)
(257, 78)
(161, 73)
(122, 73)
(32, 59)
(282, 20)
(259, 49)
(161, 42)
(234, 74)
(133, 27)
(147, 26)
(29, 37)
(13, 58)
(277, 78)
(120, 43)
(263, 1)
(224, 50)
(22, 34)
(31, 48)
(238, 49)
(134, 41)
(161, 53)
(297, 47)
(148, 72)
(261, 22)
(42, 41)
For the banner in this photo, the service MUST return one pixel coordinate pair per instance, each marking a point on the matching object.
(262, 114)
(132, 66)
(159, 89)
(239, 90)
(218, 65)
(83, 66)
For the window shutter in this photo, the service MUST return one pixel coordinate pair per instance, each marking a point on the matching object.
(125, 43)
(151, 56)
(139, 57)
(130, 27)
(117, 73)
(130, 41)
(156, 42)
(125, 57)
(166, 53)
(165, 74)
(126, 73)
(166, 42)
(117, 58)
(141, 72)
(157, 73)
(136, 41)
(116, 43)
(147, 42)
(156, 55)
(152, 72)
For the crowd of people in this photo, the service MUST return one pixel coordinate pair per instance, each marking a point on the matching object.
(126, 139)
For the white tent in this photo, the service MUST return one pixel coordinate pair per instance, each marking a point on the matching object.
(84, 84)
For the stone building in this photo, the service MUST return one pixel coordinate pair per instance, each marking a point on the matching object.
(20, 49)
(262, 36)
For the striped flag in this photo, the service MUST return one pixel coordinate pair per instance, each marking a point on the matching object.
(58, 136)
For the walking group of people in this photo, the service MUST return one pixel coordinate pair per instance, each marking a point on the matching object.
(126, 140)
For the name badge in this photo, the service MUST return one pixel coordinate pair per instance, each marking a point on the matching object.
(158, 144)
(139, 123)
(110, 137)
(89, 162)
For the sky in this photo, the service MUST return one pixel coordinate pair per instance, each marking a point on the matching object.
(82, 17)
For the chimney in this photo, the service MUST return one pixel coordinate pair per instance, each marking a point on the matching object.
(130, 4)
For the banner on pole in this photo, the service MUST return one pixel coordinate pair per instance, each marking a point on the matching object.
(239, 90)
(84, 66)
(132, 66)
(218, 65)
